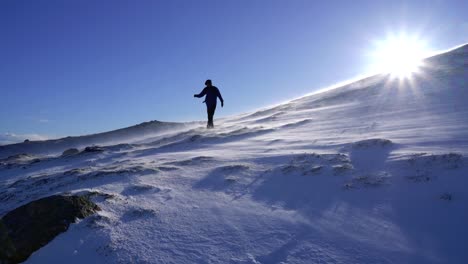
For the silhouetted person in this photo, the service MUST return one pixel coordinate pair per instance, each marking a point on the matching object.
(212, 93)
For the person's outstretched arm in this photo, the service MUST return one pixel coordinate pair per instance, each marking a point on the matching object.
(220, 98)
(203, 92)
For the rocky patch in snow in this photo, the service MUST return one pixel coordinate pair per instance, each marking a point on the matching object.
(19, 161)
(35, 186)
(192, 162)
(446, 161)
(70, 152)
(371, 180)
(372, 143)
(31, 226)
(422, 167)
(137, 189)
(315, 164)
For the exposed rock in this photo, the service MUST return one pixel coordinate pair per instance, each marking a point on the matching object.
(6, 245)
(93, 149)
(31, 226)
(233, 168)
(70, 152)
(18, 157)
(342, 168)
(139, 189)
(18, 160)
(373, 142)
(370, 180)
(193, 161)
(167, 168)
(446, 161)
(76, 171)
(96, 195)
(35, 161)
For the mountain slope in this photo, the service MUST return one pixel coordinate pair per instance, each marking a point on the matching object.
(371, 172)
(127, 135)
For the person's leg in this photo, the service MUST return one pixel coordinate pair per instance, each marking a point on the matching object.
(208, 110)
(210, 117)
(211, 111)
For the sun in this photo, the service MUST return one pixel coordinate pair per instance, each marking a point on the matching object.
(401, 56)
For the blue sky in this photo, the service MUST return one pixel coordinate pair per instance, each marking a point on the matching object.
(80, 67)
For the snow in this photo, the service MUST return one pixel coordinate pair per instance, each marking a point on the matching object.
(371, 172)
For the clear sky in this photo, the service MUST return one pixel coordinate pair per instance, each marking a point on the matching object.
(85, 66)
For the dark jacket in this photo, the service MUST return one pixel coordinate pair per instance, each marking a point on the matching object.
(212, 93)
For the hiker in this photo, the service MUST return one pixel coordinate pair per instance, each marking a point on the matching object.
(212, 93)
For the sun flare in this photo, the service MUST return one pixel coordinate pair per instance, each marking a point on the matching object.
(400, 56)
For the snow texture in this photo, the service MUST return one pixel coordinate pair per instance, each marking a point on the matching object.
(371, 172)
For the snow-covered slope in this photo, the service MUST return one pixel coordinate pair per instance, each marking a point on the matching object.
(371, 172)
(125, 135)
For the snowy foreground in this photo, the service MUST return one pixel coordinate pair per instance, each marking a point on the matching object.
(371, 172)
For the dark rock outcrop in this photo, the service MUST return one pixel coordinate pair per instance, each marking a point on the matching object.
(6, 245)
(93, 149)
(31, 226)
(70, 152)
